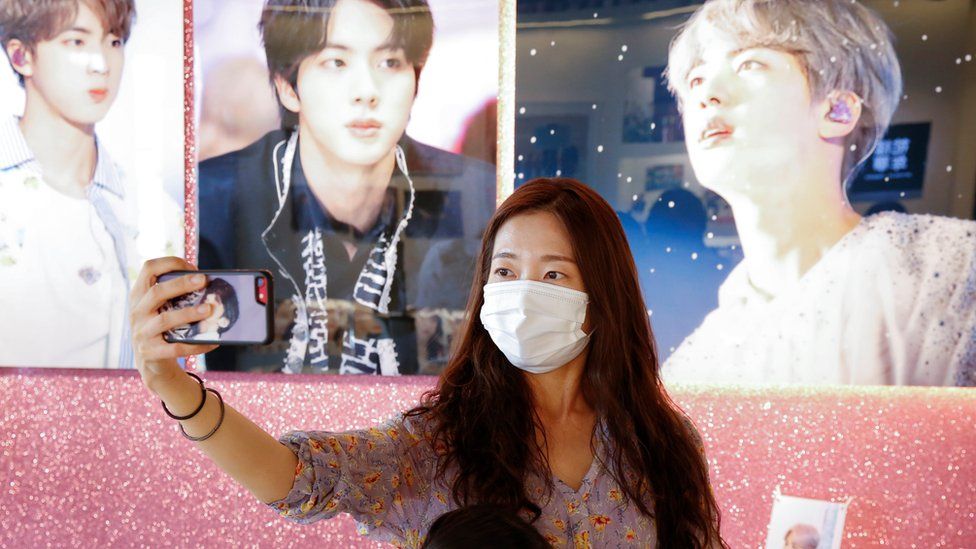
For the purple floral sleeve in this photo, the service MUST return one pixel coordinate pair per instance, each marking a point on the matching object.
(381, 476)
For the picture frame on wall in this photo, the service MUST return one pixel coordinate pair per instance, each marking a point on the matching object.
(72, 245)
(367, 282)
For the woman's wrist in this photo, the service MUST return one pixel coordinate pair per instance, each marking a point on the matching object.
(178, 391)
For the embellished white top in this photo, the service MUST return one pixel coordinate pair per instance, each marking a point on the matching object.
(65, 264)
(892, 303)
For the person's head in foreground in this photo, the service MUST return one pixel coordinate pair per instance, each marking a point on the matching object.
(68, 54)
(346, 71)
(222, 298)
(556, 302)
(482, 526)
(801, 536)
(776, 92)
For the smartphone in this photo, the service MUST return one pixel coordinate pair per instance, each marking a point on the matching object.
(242, 313)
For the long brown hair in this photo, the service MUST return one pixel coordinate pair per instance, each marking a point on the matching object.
(482, 409)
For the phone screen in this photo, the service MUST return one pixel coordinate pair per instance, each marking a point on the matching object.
(241, 308)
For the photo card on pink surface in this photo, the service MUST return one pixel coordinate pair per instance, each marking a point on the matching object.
(803, 523)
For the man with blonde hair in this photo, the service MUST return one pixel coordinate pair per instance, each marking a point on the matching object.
(782, 100)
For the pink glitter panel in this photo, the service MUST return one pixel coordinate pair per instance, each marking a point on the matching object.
(189, 150)
(87, 458)
(189, 137)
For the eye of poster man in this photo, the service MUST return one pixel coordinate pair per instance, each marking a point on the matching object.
(349, 149)
(799, 213)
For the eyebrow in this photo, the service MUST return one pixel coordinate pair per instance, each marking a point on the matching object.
(547, 257)
(90, 32)
(387, 46)
(699, 62)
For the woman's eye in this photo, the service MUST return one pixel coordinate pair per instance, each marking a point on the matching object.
(334, 63)
(392, 63)
(553, 275)
(502, 271)
(750, 65)
(75, 42)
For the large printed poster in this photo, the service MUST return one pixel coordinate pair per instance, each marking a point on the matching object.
(91, 172)
(348, 147)
(796, 187)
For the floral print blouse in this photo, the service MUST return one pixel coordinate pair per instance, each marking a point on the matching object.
(385, 477)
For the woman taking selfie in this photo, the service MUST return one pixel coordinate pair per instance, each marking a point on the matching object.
(551, 404)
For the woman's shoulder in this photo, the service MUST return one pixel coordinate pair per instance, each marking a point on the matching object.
(415, 426)
(693, 432)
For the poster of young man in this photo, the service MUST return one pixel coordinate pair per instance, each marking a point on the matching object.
(91, 172)
(359, 201)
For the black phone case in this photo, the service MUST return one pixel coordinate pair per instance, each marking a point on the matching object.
(269, 308)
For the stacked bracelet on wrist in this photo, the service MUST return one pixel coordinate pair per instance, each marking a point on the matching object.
(212, 431)
(203, 400)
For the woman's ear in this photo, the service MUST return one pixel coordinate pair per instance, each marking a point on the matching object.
(287, 94)
(20, 58)
(840, 111)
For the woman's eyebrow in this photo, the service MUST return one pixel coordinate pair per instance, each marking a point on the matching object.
(547, 257)
(557, 257)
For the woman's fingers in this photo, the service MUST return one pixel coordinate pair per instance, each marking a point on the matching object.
(152, 348)
(148, 324)
(155, 358)
(151, 270)
(160, 293)
(161, 323)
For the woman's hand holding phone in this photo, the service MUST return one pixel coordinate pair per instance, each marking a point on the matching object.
(238, 446)
(155, 358)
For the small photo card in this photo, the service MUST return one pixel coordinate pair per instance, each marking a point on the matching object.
(801, 523)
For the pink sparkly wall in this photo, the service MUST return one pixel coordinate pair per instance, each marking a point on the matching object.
(87, 458)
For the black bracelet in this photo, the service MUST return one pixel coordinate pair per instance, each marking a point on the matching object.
(219, 421)
(203, 400)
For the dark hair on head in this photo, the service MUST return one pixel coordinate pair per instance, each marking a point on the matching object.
(33, 21)
(482, 410)
(483, 526)
(677, 211)
(228, 298)
(292, 30)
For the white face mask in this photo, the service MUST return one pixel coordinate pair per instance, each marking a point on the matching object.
(538, 326)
